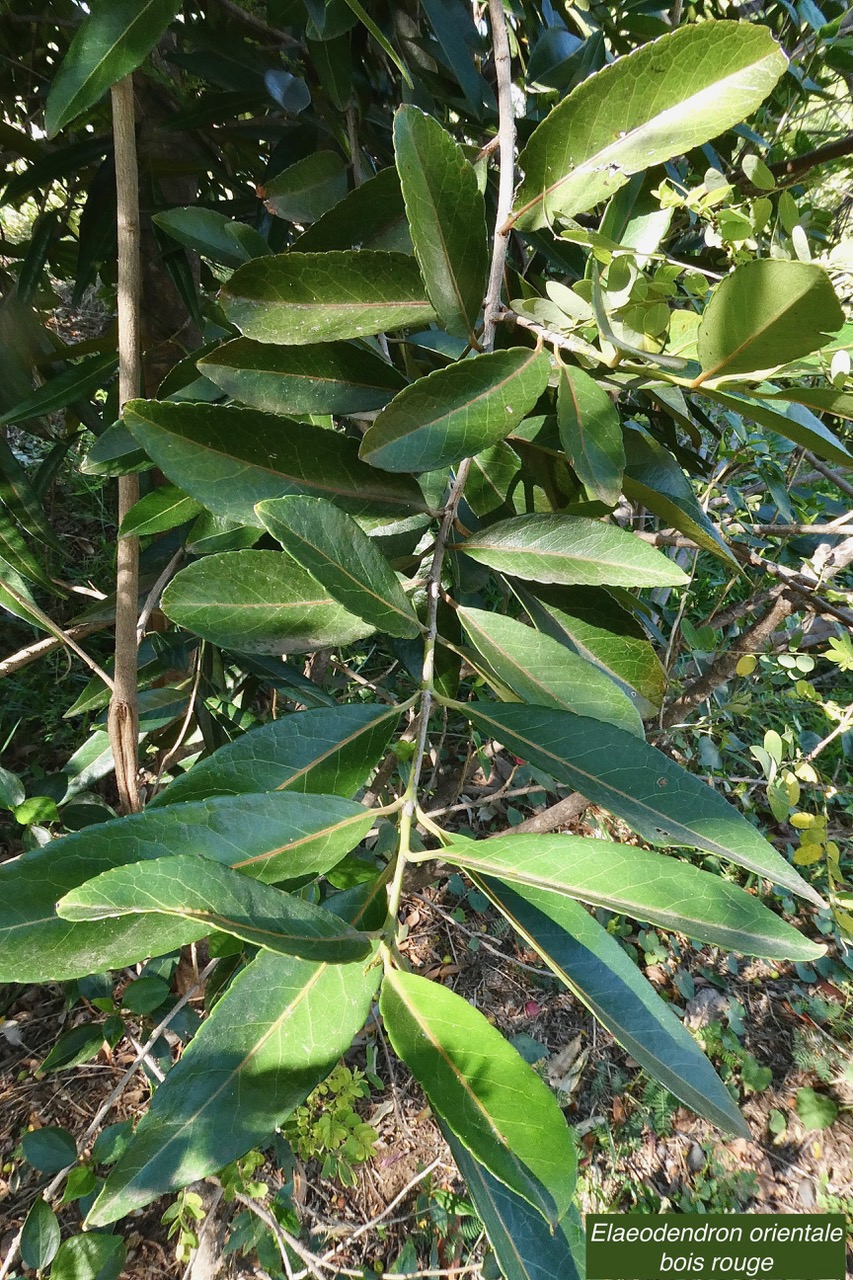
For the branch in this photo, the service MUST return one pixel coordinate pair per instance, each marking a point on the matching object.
(562, 341)
(506, 173)
(124, 709)
(793, 169)
(258, 24)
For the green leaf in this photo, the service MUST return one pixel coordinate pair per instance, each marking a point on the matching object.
(491, 478)
(12, 791)
(654, 479)
(636, 882)
(544, 672)
(49, 1149)
(77, 382)
(789, 419)
(334, 550)
(571, 549)
(474, 1079)
(40, 1237)
(315, 297)
(659, 799)
(115, 453)
(164, 508)
(308, 752)
(591, 434)
(268, 836)
(596, 969)
(457, 411)
(525, 1246)
(663, 99)
(200, 890)
(21, 499)
(114, 39)
(820, 399)
(816, 1110)
(277, 1032)
(93, 1256)
(764, 314)
(15, 553)
(447, 218)
(593, 625)
(259, 602)
(365, 18)
(331, 377)
(307, 189)
(372, 216)
(80, 1044)
(213, 235)
(229, 459)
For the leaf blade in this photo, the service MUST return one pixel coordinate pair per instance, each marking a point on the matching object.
(591, 434)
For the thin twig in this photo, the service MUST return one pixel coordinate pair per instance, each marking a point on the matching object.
(389, 1208)
(61, 637)
(257, 24)
(153, 598)
(284, 1239)
(561, 341)
(506, 173)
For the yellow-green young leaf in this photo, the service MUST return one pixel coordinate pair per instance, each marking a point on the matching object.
(596, 969)
(636, 882)
(271, 837)
(571, 549)
(215, 896)
(328, 752)
(337, 553)
(314, 297)
(483, 1089)
(542, 671)
(457, 411)
(229, 459)
(275, 1034)
(328, 377)
(592, 624)
(591, 434)
(666, 97)
(447, 218)
(789, 418)
(659, 799)
(766, 313)
(114, 39)
(259, 602)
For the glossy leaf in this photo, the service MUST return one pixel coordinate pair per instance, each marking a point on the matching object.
(635, 882)
(491, 478)
(544, 672)
(307, 189)
(310, 752)
(258, 602)
(268, 836)
(659, 799)
(592, 624)
(456, 411)
(525, 1246)
(570, 550)
(447, 218)
(163, 508)
(475, 1080)
(661, 100)
(332, 377)
(591, 434)
(654, 479)
(596, 969)
(213, 235)
(229, 459)
(317, 297)
(114, 39)
(213, 895)
(372, 216)
(789, 418)
(275, 1034)
(40, 1236)
(77, 382)
(764, 314)
(333, 549)
(49, 1148)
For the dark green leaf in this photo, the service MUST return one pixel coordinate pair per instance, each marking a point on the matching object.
(306, 190)
(596, 969)
(591, 434)
(821, 399)
(229, 459)
(21, 499)
(201, 890)
(544, 672)
(455, 412)
(80, 1044)
(372, 216)
(766, 313)
(161, 509)
(40, 1236)
(93, 1256)
(491, 478)
(474, 1080)
(661, 100)
(569, 550)
(789, 419)
(115, 453)
(337, 553)
(49, 1149)
(659, 799)
(314, 752)
(330, 377)
(15, 553)
(111, 1142)
(213, 235)
(316, 297)
(259, 602)
(77, 382)
(447, 218)
(114, 39)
